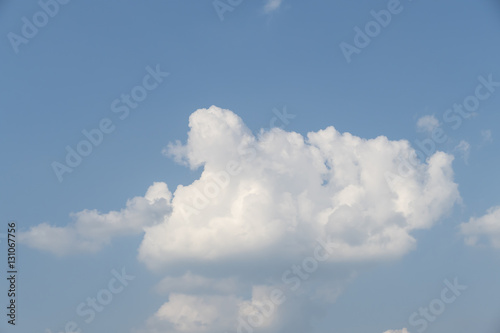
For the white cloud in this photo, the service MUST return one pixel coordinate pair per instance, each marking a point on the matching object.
(463, 149)
(404, 330)
(272, 5)
(92, 230)
(261, 204)
(279, 190)
(484, 229)
(287, 191)
(267, 199)
(427, 123)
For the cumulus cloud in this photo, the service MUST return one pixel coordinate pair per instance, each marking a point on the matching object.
(268, 212)
(427, 123)
(272, 198)
(404, 330)
(91, 230)
(278, 192)
(272, 5)
(483, 230)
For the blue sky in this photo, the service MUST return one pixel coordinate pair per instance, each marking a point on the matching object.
(264, 58)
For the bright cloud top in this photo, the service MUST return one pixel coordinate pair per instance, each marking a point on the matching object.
(404, 330)
(484, 229)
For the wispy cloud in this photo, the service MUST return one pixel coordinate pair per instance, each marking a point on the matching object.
(463, 149)
(272, 5)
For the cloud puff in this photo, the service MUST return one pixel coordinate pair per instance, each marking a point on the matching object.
(91, 230)
(427, 123)
(272, 5)
(484, 229)
(278, 192)
(404, 330)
